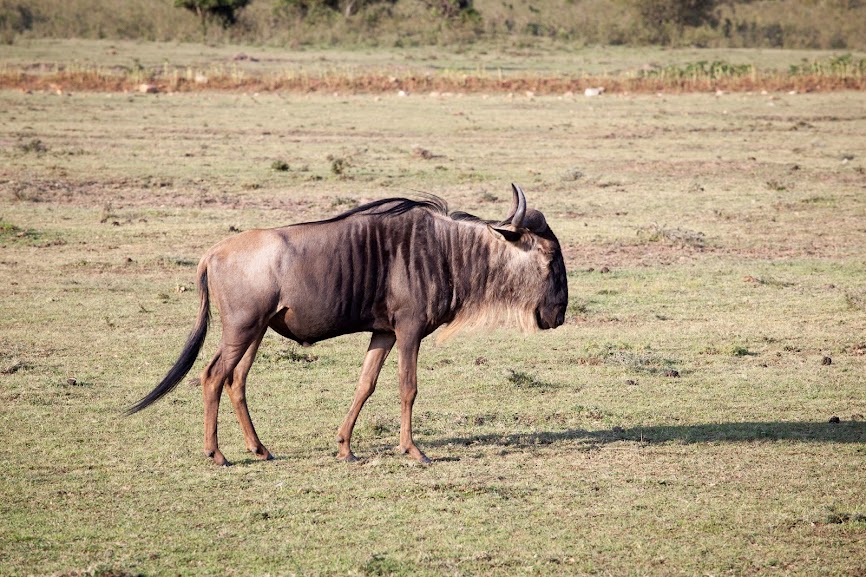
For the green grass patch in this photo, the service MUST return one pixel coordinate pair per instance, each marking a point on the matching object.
(683, 420)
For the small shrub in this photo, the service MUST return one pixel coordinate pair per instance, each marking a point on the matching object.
(420, 152)
(700, 70)
(339, 165)
(344, 201)
(177, 261)
(13, 367)
(26, 192)
(15, 18)
(378, 426)
(572, 174)
(13, 233)
(844, 66)
(381, 566)
(453, 9)
(280, 166)
(576, 308)
(319, 10)
(35, 146)
(740, 351)
(676, 236)
(643, 361)
(223, 11)
(289, 354)
(855, 302)
(664, 20)
(592, 413)
(303, 9)
(107, 213)
(830, 515)
(777, 186)
(8, 229)
(523, 380)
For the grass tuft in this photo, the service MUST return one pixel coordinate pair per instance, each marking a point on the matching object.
(644, 361)
(522, 380)
(34, 146)
(13, 234)
(286, 352)
(832, 516)
(855, 301)
(339, 165)
(675, 236)
(280, 166)
(379, 565)
(740, 351)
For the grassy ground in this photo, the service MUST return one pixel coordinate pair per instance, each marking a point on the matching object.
(679, 423)
(542, 67)
(539, 57)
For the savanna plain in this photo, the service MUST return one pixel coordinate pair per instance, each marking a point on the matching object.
(701, 412)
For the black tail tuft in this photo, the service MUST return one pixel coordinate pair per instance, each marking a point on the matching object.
(187, 356)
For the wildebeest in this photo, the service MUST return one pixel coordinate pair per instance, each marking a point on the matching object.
(398, 268)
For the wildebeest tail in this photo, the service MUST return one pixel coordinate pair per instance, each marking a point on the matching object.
(187, 356)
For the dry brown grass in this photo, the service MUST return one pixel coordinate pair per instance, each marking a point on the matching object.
(385, 83)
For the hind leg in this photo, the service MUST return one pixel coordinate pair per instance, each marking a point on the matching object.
(237, 393)
(212, 388)
(218, 373)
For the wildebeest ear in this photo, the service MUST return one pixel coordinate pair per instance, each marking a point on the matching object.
(535, 221)
(505, 233)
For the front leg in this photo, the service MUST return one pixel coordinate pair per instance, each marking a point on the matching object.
(377, 352)
(408, 347)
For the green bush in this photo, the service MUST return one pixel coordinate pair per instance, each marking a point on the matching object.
(223, 11)
(665, 20)
(15, 18)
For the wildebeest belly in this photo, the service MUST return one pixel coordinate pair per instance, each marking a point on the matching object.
(312, 322)
(332, 282)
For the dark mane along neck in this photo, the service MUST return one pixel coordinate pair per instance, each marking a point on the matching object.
(394, 207)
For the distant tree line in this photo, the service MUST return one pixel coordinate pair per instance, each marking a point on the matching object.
(657, 14)
(223, 11)
(226, 11)
(837, 24)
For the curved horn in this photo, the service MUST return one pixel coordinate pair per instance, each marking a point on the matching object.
(518, 206)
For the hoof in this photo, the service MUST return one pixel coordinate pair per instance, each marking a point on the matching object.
(218, 458)
(416, 454)
(262, 453)
(350, 458)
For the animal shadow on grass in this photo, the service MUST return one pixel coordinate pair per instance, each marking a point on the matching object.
(252, 461)
(745, 432)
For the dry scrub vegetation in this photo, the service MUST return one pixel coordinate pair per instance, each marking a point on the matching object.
(790, 24)
(681, 421)
(545, 68)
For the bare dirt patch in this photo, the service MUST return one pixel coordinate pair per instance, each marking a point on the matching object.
(110, 195)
